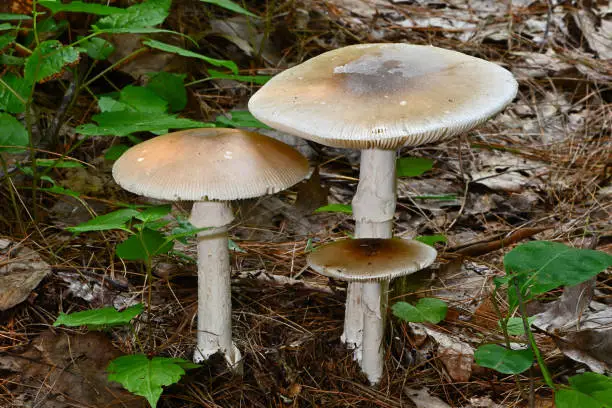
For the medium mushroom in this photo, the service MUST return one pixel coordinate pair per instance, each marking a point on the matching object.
(211, 167)
(378, 98)
(370, 261)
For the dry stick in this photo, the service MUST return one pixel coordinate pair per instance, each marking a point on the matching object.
(373, 209)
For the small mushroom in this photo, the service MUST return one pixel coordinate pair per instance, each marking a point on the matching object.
(211, 167)
(370, 261)
(378, 98)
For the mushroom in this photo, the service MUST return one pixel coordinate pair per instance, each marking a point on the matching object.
(378, 98)
(211, 167)
(370, 261)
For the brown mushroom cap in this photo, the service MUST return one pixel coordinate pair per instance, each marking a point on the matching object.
(209, 164)
(371, 259)
(383, 96)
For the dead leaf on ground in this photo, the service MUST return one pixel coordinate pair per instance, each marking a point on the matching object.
(422, 399)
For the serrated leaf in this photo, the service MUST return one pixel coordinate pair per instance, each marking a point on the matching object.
(341, 208)
(48, 59)
(502, 359)
(80, 7)
(170, 87)
(431, 239)
(13, 134)
(253, 79)
(146, 14)
(99, 318)
(144, 245)
(240, 119)
(158, 45)
(8, 101)
(114, 220)
(98, 48)
(123, 123)
(412, 166)
(146, 377)
(154, 213)
(426, 310)
(231, 6)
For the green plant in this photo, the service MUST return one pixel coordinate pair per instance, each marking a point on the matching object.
(533, 269)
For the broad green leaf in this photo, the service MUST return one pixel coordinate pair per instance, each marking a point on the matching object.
(13, 134)
(341, 208)
(48, 59)
(141, 99)
(98, 48)
(596, 386)
(13, 17)
(412, 166)
(431, 239)
(8, 101)
(240, 119)
(115, 152)
(571, 398)
(502, 359)
(6, 40)
(254, 79)
(146, 14)
(426, 310)
(542, 266)
(154, 213)
(515, 325)
(231, 65)
(144, 245)
(80, 7)
(99, 318)
(170, 87)
(108, 104)
(58, 163)
(114, 220)
(231, 6)
(124, 123)
(146, 377)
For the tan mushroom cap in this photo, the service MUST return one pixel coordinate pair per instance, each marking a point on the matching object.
(209, 164)
(384, 96)
(371, 259)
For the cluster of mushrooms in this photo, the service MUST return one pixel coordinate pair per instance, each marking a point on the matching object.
(372, 97)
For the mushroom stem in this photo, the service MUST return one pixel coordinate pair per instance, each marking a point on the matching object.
(373, 331)
(373, 210)
(214, 292)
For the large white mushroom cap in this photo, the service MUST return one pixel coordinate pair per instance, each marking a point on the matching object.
(209, 164)
(384, 96)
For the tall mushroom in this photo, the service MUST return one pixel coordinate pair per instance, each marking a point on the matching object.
(211, 167)
(371, 261)
(378, 98)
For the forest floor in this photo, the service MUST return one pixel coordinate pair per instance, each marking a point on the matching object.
(538, 170)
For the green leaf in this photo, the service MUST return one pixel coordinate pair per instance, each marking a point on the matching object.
(80, 7)
(596, 386)
(170, 87)
(571, 398)
(515, 325)
(231, 65)
(231, 6)
(6, 26)
(115, 152)
(233, 246)
(13, 17)
(46, 28)
(6, 59)
(502, 359)
(144, 245)
(146, 14)
(13, 134)
(99, 318)
(62, 191)
(48, 59)
(146, 377)
(542, 266)
(341, 208)
(98, 48)
(254, 79)
(412, 166)
(8, 101)
(240, 119)
(141, 99)
(6, 40)
(114, 220)
(426, 310)
(154, 213)
(58, 163)
(437, 197)
(124, 123)
(431, 239)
